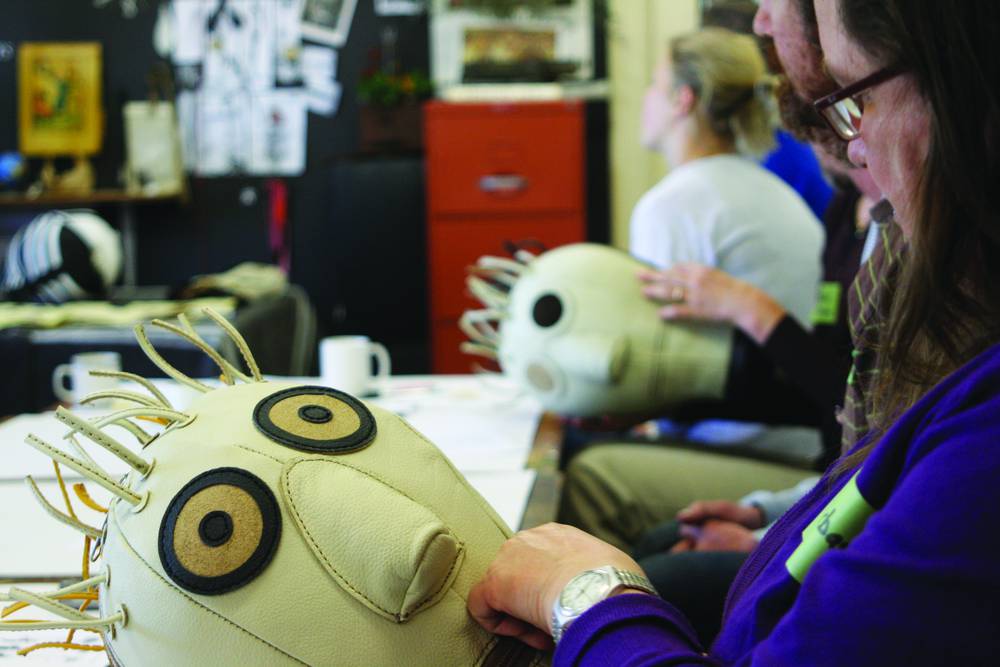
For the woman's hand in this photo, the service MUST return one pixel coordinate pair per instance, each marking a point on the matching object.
(694, 291)
(516, 595)
(715, 535)
(701, 511)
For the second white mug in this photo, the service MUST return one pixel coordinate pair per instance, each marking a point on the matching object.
(77, 371)
(345, 363)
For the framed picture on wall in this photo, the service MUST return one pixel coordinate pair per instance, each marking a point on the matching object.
(59, 98)
(327, 21)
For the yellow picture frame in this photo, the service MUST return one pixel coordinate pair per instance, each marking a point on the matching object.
(59, 98)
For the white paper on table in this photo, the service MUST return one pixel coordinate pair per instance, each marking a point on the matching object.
(506, 492)
(278, 133)
(477, 440)
(18, 459)
(11, 642)
(33, 544)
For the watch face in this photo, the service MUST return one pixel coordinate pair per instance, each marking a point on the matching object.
(584, 591)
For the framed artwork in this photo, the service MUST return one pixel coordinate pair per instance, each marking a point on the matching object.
(462, 34)
(59, 98)
(327, 21)
(508, 44)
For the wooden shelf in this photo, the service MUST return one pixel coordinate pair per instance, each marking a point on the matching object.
(100, 196)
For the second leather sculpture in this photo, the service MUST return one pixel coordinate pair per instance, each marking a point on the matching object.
(573, 328)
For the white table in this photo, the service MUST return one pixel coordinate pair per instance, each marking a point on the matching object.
(479, 422)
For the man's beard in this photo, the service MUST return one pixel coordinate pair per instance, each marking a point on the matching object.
(798, 116)
(802, 120)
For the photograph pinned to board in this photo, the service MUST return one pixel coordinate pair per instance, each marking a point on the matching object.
(400, 7)
(319, 72)
(278, 133)
(327, 21)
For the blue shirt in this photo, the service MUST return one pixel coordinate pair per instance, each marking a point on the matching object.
(795, 163)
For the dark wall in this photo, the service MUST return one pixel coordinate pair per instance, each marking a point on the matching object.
(220, 225)
(213, 228)
(225, 220)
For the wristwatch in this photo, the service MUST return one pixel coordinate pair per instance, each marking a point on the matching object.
(587, 589)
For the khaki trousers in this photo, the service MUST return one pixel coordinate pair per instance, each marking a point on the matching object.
(619, 492)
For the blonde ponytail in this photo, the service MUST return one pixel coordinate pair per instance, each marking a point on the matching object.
(735, 94)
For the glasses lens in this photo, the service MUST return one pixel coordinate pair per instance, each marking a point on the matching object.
(845, 117)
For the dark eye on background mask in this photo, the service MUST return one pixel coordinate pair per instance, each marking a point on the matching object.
(315, 419)
(547, 311)
(219, 532)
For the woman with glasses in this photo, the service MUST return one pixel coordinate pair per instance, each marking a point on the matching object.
(893, 558)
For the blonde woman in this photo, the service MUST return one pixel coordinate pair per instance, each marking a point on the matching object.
(709, 112)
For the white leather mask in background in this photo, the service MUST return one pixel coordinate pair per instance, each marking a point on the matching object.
(573, 328)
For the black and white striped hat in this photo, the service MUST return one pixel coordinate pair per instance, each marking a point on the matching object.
(61, 256)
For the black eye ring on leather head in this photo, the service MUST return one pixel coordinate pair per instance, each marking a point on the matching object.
(219, 531)
(315, 419)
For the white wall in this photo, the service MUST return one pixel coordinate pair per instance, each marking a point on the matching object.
(638, 32)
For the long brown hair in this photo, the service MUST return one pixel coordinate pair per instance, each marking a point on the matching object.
(946, 308)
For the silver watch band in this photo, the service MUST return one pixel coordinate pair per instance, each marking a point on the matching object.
(625, 579)
(635, 580)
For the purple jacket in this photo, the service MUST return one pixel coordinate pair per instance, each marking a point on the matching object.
(899, 563)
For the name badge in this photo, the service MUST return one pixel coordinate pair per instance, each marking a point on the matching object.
(840, 522)
(828, 305)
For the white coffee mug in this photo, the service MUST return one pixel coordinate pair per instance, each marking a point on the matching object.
(345, 363)
(82, 383)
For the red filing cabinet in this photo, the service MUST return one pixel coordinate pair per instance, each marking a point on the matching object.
(495, 172)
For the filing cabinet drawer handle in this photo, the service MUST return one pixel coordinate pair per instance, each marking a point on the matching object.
(503, 183)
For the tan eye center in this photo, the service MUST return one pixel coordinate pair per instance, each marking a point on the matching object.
(217, 531)
(315, 419)
(315, 416)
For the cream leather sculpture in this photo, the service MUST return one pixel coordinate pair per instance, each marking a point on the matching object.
(573, 328)
(272, 524)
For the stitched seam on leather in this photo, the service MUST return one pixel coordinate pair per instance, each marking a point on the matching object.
(316, 548)
(486, 651)
(301, 522)
(142, 560)
(458, 476)
(100, 474)
(254, 451)
(447, 577)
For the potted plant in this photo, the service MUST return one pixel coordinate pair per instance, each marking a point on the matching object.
(390, 110)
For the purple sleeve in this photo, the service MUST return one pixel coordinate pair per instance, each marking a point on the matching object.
(918, 586)
(631, 630)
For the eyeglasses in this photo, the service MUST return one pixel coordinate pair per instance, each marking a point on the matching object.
(842, 109)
